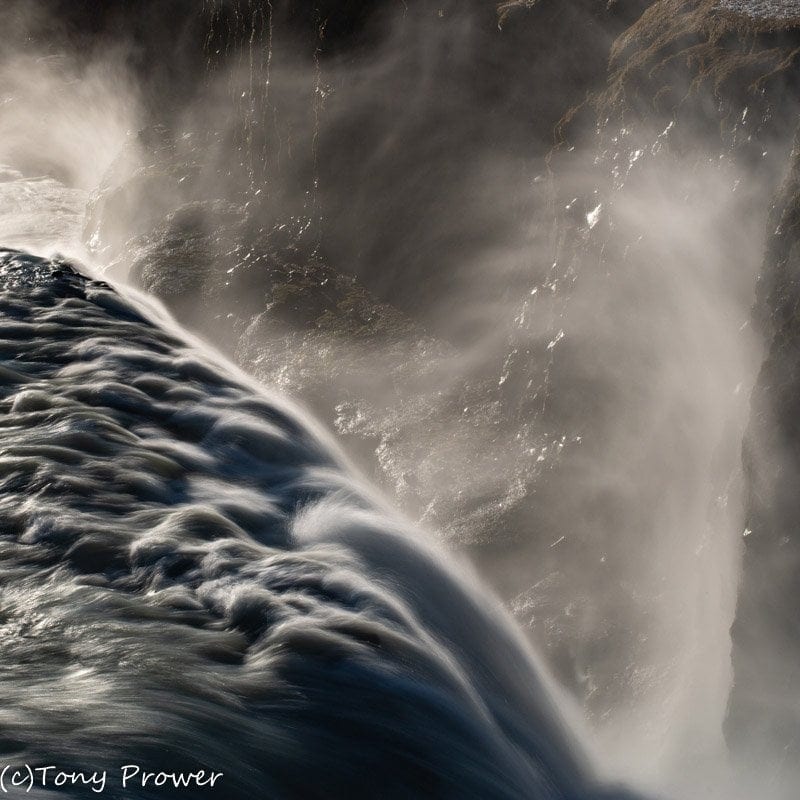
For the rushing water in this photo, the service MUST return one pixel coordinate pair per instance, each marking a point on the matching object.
(542, 359)
(192, 577)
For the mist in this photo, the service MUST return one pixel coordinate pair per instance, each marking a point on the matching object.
(523, 305)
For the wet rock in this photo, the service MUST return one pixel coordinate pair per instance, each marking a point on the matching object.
(763, 718)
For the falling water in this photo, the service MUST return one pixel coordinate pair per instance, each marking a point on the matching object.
(536, 352)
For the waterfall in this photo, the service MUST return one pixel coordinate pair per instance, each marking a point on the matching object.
(399, 396)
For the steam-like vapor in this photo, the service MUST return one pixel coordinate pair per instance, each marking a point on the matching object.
(62, 124)
(562, 333)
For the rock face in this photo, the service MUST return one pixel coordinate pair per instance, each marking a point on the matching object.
(764, 716)
(368, 271)
(769, 10)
